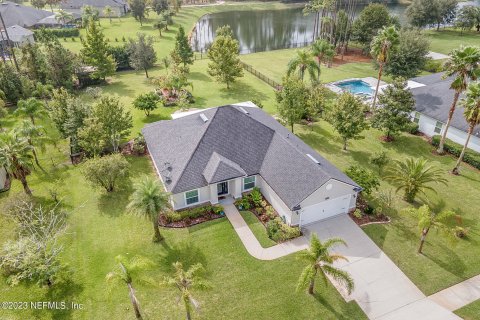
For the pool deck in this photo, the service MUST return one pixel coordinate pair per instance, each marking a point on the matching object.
(371, 81)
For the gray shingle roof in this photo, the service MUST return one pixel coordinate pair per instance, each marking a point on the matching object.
(221, 169)
(435, 99)
(254, 143)
(16, 33)
(76, 4)
(16, 14)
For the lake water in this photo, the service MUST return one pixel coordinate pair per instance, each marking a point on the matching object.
(266, 30)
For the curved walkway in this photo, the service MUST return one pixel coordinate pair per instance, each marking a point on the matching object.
(251, 243)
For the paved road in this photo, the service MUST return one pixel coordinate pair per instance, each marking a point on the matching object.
(382, 290)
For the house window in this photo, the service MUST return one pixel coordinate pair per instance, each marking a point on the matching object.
(248, 183)
(416, 118)
(438, 127)
(191, 197)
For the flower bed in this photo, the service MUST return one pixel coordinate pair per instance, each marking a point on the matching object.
(191, 216)
(276, 229)
(365, 214)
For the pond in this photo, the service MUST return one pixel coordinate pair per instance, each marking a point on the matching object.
(267, 29)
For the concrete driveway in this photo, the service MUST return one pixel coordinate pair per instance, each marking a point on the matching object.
(382, 290)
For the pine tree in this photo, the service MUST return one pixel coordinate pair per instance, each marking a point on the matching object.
(95, 52)
(225, 65)
(183, 51)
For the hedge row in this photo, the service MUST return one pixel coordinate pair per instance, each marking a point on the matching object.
(471, 157)
(60, 33)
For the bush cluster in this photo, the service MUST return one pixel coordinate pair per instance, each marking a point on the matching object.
(433, 66)
(411, 128)
(193, 213)
(277, 230)
(59, 33)
(471, 157)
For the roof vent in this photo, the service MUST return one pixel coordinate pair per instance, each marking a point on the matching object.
(204, 117)
(243, 110)
(168, 180)
(312, 158)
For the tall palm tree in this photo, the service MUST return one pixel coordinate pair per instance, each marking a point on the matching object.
(35, 136)
(429, 219)
(124, 271)
(414, 176)
(16, 157)
(63, 16)
(320, 262)
(185, 281)
(463, 65)
(304, 61)
(32, 108)
(108, 11)
(382, 46)
(149, 200)
(471, 103)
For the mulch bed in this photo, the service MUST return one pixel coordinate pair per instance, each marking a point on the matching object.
(369, 218)
(352, 55)
(189, 222)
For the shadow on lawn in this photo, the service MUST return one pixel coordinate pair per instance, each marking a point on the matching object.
(319, 297)
(239, 90)
(453, 263)
(114, 203)
(67, 291)
(185, 252)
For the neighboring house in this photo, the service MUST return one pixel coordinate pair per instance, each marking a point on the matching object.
(433, 99)
(18, 36)
(52, 21)
(222, 152)
(16, 14)
(119, 7)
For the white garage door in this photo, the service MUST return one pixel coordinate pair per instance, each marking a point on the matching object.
(324, 210)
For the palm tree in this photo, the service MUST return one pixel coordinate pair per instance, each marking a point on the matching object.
(124, 271)
(185, 281)
(63, 16)
(471, 103)
(33, 108)
(108, 11)
(382, 46)
(16, 157)
(149, 200)
(44, 92)
(303, 61)
(319, 49)
(320, 262)
(463, 65)
(414, 176)
(35, 136)
(428, 219)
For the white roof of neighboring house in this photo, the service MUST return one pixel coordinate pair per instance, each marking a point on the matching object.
(17, 33)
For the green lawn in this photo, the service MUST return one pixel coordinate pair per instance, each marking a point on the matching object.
(444, 41)
(258, 229)
(470, 311)
(442, 264)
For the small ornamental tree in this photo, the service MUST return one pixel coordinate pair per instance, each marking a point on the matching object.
(116, 122)
(141, 52)
(365, 178)
(146, 102)
(380, 160)
(91, 137)
(225, 65)
(396, 103)
(107, 171)
(183, 52)
(95, 52)
(291, 100)
(138, 8)
(348, 118)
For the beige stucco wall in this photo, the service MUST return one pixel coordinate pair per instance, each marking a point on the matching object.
(276, 202)
(338, 189)
(178, 199)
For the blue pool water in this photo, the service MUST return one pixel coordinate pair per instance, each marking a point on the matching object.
(355, 86)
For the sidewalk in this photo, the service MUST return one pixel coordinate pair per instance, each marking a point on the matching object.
(253, 246)
(459, 295)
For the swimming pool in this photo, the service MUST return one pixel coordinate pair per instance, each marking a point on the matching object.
(355, 86)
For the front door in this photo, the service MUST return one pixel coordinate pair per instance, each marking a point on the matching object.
(222, 188)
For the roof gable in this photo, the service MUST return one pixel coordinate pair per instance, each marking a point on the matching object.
(221, 169)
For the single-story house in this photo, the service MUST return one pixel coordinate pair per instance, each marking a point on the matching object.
(53, 21)
(18, 36)
(17, 14)
(119, 7)
(433, 99)
(225, 151)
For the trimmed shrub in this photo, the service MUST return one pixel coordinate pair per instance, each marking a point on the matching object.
(173, 216)
(471, 157)
(59, 33)
(277, 230)
(365, 178)
(121, 56)
(256, 197)
(433, 66)
(411, 128)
